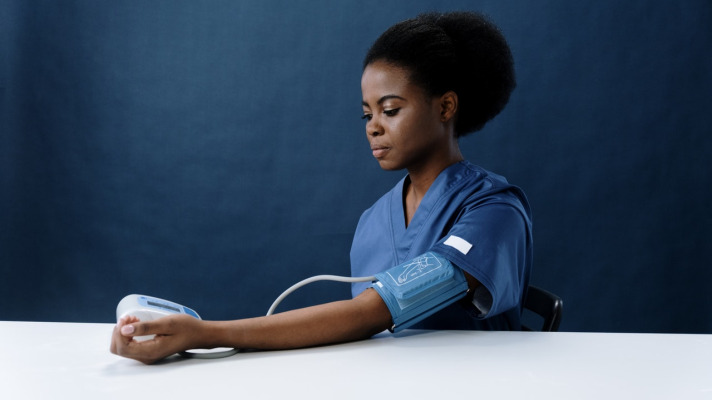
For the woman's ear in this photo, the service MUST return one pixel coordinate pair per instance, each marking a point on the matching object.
(448, 106)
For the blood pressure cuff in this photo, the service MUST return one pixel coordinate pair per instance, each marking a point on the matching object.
(420, 287)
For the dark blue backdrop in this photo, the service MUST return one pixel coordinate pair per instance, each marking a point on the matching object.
(212, 153)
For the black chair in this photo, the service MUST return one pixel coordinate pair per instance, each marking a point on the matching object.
(545, 304)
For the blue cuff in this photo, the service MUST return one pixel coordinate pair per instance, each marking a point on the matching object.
(420, 287)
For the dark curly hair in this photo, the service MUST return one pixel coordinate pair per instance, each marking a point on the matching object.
(459, 51)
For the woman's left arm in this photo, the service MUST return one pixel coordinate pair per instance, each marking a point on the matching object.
(329, 323)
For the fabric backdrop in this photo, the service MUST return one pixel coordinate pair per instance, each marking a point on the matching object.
(212, 153)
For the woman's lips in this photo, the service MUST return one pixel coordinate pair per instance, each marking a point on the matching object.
(379, 151)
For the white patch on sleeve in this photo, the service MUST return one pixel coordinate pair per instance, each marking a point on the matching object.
(458, 243)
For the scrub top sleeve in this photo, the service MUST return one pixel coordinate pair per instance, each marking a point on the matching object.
(493, 244)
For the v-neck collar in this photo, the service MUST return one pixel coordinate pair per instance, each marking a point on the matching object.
(403, 236)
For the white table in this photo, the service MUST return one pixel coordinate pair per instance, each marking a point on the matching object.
(63, 360)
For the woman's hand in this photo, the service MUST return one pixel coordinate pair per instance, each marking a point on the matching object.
(174, 333)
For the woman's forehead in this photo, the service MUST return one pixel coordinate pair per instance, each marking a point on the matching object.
(380, 78)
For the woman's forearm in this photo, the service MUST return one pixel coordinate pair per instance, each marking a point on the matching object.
(336, 322)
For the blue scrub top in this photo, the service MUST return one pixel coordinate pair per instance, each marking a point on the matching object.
(482, 210)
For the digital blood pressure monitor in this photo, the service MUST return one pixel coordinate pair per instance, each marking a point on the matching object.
(148, 308)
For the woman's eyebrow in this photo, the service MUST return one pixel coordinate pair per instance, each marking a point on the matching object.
(384, 98)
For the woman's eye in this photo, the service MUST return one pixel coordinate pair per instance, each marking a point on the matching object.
(367, 117)
(392, 112)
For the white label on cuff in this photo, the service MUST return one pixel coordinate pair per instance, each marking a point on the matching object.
(459, 244)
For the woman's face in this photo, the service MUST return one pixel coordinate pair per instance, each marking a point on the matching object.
(404, 126)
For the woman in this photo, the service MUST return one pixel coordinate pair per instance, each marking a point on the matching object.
(426, 82)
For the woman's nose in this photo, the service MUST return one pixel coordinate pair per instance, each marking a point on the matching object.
(373, 128)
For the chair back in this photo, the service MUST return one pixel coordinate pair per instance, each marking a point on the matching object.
(545, 304)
